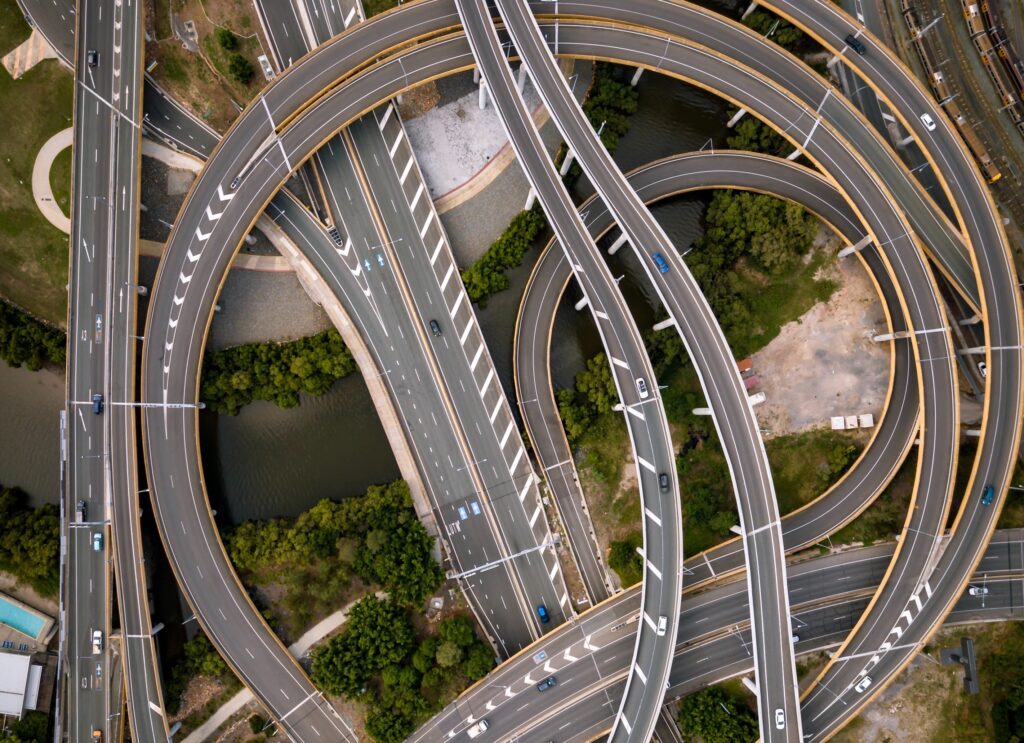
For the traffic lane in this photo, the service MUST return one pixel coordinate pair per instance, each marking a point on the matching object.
(497, 462)
(434, 448)
(767, 58)
(738, 429)
(662, 557)
(284, 30)
(524, 628)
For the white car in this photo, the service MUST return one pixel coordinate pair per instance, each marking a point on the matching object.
(662, 625)
(978, 591)
(863, 685)
(780, 719)
(983, 368)
(462, 513)
(641, 387)
(928, 121)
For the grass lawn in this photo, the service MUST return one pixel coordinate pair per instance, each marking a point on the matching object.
(33, 253)
(60, 180)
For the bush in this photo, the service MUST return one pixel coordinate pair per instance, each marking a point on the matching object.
(256, 723)
(715, 717)
(276, 372)
(229, 43)
(240, 69)
(625, 560)
(30, 541)
(487, 275)
(25, 340)
(200, 659)
(593, 395)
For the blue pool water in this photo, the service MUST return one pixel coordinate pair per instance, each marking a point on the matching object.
(19, 619)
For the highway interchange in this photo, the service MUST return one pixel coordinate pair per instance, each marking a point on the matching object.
(892, 218)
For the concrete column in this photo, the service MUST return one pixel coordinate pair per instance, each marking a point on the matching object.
(636, 76)
(668, 322)
(905, 141)
(476, 75)
(619, 241)
(736, 117)
(531, 199)
(582, 303)
(483, 94)
(750, 9)
(702, 411)
(567, 163)
(747, 682)
(521, 80)
(851, 249)
(399, 99)
(794, 154)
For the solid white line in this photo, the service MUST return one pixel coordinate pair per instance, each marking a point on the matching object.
(447, 276)
(437, 251)
(476, 358)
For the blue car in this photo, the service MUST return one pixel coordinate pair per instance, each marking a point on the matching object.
(542, 614)
(988, 495)
(660, 262)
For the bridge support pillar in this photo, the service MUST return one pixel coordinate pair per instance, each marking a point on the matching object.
(483, 94)
(567, 163)
(905, 141)
(531, 199)
(736, 117)
(159, 626)
(735, 529)
(972, 320)
(898, 335)
(582, 303)
(636, 76)
(851, 249)
(974, 433)
(750, 9)
(666, 323)
(702, 411)
(521, 79)
(619, 242)
(476, 75)
(749, 683)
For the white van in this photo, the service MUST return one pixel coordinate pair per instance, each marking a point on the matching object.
(478, 728)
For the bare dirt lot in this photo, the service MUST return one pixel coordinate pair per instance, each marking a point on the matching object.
(825, 363)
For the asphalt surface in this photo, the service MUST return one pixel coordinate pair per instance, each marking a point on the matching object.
(733, 416)
(632, 371)
(306, 133)
(101, 355)
(590, 659)
(895, 430)
(474, 463)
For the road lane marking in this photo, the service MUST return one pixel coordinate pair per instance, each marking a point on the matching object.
(652, 517)
(645, 464)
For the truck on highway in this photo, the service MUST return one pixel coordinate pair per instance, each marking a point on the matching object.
(478, 728)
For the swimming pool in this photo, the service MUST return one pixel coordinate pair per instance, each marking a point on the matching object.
(20, 619)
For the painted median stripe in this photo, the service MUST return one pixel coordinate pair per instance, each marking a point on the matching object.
(645, 464)
(652, 517)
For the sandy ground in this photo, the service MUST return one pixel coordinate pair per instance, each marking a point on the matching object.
(825, 363)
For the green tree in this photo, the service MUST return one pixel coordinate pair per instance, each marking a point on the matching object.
(25, 340)
(781, 31)
(487, 275)
(239, 68)
(714, 717)
(30, 541)
(387, 726)
(625, 560)
(458, 631)
(754, 135)
(448, 654)
(228, 42)
(377, 634)
(479, 661)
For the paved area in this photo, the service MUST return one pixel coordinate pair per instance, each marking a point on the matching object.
(41, 190)
(825, 363)
(28, 54)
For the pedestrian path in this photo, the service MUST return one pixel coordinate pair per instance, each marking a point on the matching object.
(41, 190)
(28, 54)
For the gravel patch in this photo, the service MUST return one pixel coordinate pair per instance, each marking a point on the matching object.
(825, 363)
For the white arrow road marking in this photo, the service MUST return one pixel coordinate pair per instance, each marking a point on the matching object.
(193, 257)
(569, 657)
(183, 278)
(224, 196)
(587, 645)
(211, 215)
(491, 706)
(178, 301)
(201, 236)
(508, 692)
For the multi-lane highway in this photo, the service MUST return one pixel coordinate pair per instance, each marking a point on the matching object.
(738, 430)
(632, 372)
(895, 431)
(591, 658)
(324, 93)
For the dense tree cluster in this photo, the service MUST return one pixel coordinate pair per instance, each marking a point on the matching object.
(781, 31)
(1003, 677)
(625, 560)
(715, 717)
(25, 340)
(593, 394)
(487, 275)
(276, 372)
(610, 103)
(402, 679)
(200, 659)
(30, 541)
(375, 536)
(31, 728)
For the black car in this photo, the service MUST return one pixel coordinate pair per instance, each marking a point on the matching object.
(663, 482)
(856, 44)
(97, 403)
(546, 683)
(435, 327)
